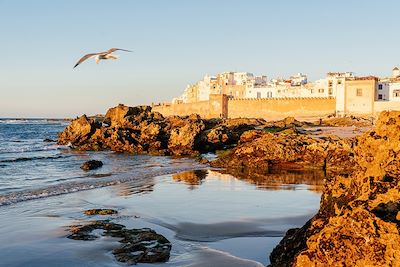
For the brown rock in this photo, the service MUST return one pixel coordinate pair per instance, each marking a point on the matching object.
(357, 222)
(91, 165)
(259, 150)
(100, 212)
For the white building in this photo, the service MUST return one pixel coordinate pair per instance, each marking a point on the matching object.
(204, 86)
(241, 78)
(298, 79)
(263, 91)
(388, 90)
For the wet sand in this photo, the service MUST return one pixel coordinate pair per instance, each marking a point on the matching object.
(211, 219)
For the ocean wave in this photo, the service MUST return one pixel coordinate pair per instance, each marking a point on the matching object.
(32, 158)
(33, 121)
(32, 149)
(72, 187)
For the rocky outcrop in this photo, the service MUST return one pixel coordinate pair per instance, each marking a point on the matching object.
(259, 151)
(358, 222)
(139, 130)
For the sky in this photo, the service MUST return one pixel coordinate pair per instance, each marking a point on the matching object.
(175, 43)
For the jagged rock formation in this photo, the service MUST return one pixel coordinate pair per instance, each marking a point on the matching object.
(139, 130)
(358, 222)
(260, 151)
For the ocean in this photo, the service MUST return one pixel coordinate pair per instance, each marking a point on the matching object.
(211, 218)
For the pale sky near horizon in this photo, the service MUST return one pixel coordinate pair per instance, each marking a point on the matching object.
(175, 43)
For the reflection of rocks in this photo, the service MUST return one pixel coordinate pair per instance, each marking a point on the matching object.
(100, 212)
(191, 178)
(138, 245)
(277, 179)
(358, 220)
(135, 187)
(91, 165)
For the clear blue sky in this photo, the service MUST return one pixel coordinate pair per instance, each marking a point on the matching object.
(175, 43)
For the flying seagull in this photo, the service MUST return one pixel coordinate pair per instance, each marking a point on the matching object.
(101, 55)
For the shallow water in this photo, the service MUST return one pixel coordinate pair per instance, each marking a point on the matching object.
(211, 218)
(217, 221)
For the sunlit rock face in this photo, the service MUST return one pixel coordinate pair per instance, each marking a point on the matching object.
(260, 151)
(359, 218)
(140, 130)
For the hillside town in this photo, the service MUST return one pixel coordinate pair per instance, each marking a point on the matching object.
(248, 85)
(343, 92)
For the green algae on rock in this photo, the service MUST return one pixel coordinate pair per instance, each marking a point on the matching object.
(138, 245)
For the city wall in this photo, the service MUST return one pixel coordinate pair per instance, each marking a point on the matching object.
(380, 106)
(215, 107)
(270, 108)
(281, 108)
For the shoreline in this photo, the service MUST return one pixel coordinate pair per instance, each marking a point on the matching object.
(230, 234)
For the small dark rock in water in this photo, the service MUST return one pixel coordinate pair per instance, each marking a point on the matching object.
(100, 212)
(91, 164)
(48, 140)
(138, 245)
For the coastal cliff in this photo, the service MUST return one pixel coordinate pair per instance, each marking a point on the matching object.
(359, 218)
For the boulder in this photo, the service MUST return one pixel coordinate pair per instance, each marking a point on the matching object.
(78, 132)
(183, 139)
(91, 165)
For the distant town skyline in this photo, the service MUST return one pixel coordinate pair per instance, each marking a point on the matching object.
(175, 43)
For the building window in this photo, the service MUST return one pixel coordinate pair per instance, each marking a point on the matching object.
(339, 82)
(330, 84)
(396, 93)
(312, 91)
(330, 91)
(380, 87)
(258, 94)
(320, 90)
(380, 97)
(359, 92)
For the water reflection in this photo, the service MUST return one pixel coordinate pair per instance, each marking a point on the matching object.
(135, 187)
(192, 178)
(275, 180)
(279, 179)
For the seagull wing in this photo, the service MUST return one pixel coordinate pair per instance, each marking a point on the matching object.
(86, 57)
(116, 49)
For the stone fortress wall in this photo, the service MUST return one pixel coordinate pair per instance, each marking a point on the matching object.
(269, 108)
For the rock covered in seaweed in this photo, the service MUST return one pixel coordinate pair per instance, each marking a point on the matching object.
(137, 245)
(358, 222)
